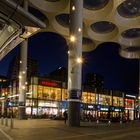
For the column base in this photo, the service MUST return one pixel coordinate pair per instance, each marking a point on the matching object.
(22, 114)
(74, 114)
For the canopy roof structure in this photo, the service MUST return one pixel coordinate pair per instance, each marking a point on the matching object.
(103, 21)
(16, 25)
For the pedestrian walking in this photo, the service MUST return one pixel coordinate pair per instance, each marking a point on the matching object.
(65, 114)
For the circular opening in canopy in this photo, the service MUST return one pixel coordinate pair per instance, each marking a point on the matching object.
(103, 27)
(133, 49)
(63, 20)
(131, 33)
(129, 8)
(95, 4)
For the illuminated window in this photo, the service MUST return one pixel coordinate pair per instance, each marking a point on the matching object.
(118, 101)
(88, 97)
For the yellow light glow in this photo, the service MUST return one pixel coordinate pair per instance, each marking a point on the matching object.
(20, 77)
(79, 60)
(23, 72)
(68, 52)
(72, 38)
(20, 61)
(73, 8)
(79, 29)
(23, 87)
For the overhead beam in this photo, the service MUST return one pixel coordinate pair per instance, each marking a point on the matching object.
(18, 14)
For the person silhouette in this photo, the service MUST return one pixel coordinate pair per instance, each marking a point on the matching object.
(65, 114)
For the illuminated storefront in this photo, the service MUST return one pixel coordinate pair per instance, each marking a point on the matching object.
(118, 101)
(103, 99)
(88, 97)
(129, 109)
(48, 98)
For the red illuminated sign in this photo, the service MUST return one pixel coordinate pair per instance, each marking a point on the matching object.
(129, 101)
(49, 83)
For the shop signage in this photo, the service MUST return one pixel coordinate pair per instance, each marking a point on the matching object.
(131, 96)
(104, 109)
(90, 106)
(75, 94)
(129, 100)
(129, 108)
(47, 104)
(48, 83)
(117, 110)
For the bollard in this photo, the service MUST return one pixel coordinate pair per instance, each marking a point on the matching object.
(120, 121)
(97, 122)
(6, 121)
(2, 120)
(109, 122)
(11, 123)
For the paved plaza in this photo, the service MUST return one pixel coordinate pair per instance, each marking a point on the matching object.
(57, 130)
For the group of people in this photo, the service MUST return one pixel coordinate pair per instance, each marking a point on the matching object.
(89, 117)
(86, 117)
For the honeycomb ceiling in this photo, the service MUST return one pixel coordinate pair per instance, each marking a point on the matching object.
(103, 21)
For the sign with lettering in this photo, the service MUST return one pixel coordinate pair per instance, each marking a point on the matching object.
(48, 83)
(75, 94)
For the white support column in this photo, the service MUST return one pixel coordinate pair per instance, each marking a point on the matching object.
(75, 62)
(139, 89)
(23, 74)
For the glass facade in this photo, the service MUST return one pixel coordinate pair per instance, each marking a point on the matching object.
(49, 98)
(103, 99)
(118, 101)
(88, 97)
(48, 93)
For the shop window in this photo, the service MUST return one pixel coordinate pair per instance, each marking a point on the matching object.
(104, 99)
(118, 101)
(64, 94)
(129, 104)
(53, 96)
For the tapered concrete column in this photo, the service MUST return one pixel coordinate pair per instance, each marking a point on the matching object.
(75, 62)
(23, 74)
(22, 79)
(139, 89)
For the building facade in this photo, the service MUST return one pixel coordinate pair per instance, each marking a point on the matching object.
(48, 98)
(32, 68)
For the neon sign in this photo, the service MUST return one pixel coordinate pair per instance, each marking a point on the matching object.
(49, 83)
